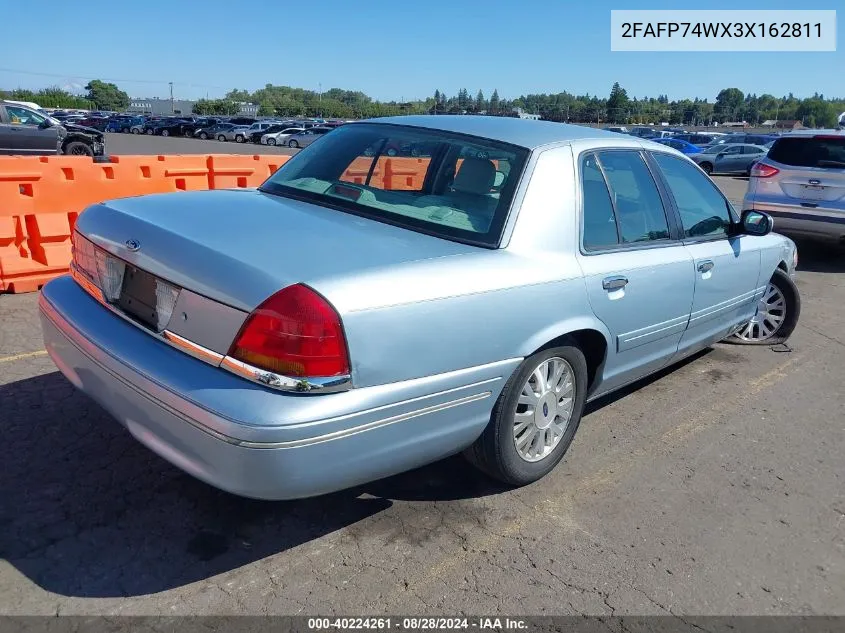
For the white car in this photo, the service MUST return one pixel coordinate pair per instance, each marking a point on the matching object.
(279, 138)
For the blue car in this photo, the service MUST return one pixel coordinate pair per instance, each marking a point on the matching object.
(124, 123)
(359, 315)
(682, 146)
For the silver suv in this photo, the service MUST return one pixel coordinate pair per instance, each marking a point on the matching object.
(801, 183)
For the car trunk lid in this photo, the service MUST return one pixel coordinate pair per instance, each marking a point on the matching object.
(240, 246)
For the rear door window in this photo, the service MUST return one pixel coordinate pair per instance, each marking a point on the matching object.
(621, 202)
(826, 152)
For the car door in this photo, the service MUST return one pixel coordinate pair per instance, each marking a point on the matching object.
(27, 132)
(639, 276)
(751, 154)
(729, 160)
(727, 267)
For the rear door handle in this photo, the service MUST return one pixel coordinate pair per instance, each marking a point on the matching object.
(705, 266)
(614, 283)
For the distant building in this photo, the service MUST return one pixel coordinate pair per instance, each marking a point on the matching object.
(789, 124)
(522, 114)
(248, 109)
(155, 105)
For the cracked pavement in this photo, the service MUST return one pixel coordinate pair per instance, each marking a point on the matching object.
(713, 488)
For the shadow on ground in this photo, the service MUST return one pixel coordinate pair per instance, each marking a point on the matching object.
(819, 257)
(87, 511)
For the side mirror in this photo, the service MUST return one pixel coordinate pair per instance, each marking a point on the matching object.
(45, 124)
(756, 223)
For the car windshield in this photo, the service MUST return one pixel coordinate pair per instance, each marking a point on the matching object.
(449, 185)
(817, 151)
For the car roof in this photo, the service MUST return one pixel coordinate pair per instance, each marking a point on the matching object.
(810, 133)
(522, 132)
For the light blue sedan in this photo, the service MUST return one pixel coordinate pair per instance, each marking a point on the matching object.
(360, 315)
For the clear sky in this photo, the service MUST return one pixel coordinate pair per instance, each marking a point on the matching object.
(389, 50)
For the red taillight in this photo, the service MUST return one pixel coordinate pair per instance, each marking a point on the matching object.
(296, 332)
(762, 170)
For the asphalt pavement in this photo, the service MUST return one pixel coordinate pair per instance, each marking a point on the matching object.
(118, 144)
(715, 487)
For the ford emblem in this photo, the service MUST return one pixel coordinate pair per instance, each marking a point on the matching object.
(133, 245)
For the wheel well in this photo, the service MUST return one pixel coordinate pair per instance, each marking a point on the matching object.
(594, 346)
(782, 265)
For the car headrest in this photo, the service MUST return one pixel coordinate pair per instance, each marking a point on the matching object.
(476, 175)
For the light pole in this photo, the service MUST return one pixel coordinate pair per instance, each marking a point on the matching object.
(171, 97)
(320, 86)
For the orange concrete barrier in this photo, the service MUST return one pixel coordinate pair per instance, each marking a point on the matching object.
(41, 197)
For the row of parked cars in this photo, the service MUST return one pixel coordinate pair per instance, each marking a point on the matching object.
(715, 152)
(291, 132)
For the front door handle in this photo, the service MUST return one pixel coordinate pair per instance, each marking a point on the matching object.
(614, 283)
(706, 266)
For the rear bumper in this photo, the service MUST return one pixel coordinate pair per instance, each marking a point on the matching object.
(250, 440)
(825, 224)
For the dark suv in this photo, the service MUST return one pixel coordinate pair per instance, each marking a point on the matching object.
(27, 132)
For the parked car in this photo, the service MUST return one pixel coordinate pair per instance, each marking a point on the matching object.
(192, 126)
(27, 132)
(215, 131)
(272, 128)
(280, 137)
(258, 129)
(124, 123)
(801, 183)
(741, 137)
(438, 324)
(241, 120)
(678, 144)
(306, 137)
(171, 127)
(736, 158)
(642, 132)
(618, 129)
(98, 123)
(237, 133)
(696, 138)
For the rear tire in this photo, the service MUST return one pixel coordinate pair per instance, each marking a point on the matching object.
(165, 133)
(239, 139)
(775, 324)
(149, 132)
(135, 130)
(514, 421)
(221, 138)
(203, 136)
(271, 141)
(124, 130)
(293, 143)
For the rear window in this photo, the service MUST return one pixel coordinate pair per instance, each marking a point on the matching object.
(449, 185)
(824, 152)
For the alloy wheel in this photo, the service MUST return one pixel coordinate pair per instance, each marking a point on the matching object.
(544, 409)
(771, 313)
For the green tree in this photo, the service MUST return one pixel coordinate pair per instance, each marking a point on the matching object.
(494, 101)
(617, 104)
(816, 112)
(728, 104)
(238, 95)
(480, 103)
(107, 96)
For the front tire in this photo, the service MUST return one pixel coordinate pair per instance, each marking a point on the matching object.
(777, 314)
(293, 143)
(78, 148)
(239, 139)
(165, 133)
(707, 167)
(221, 138)
(203, 136)
(271, 141)
(535, 417)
